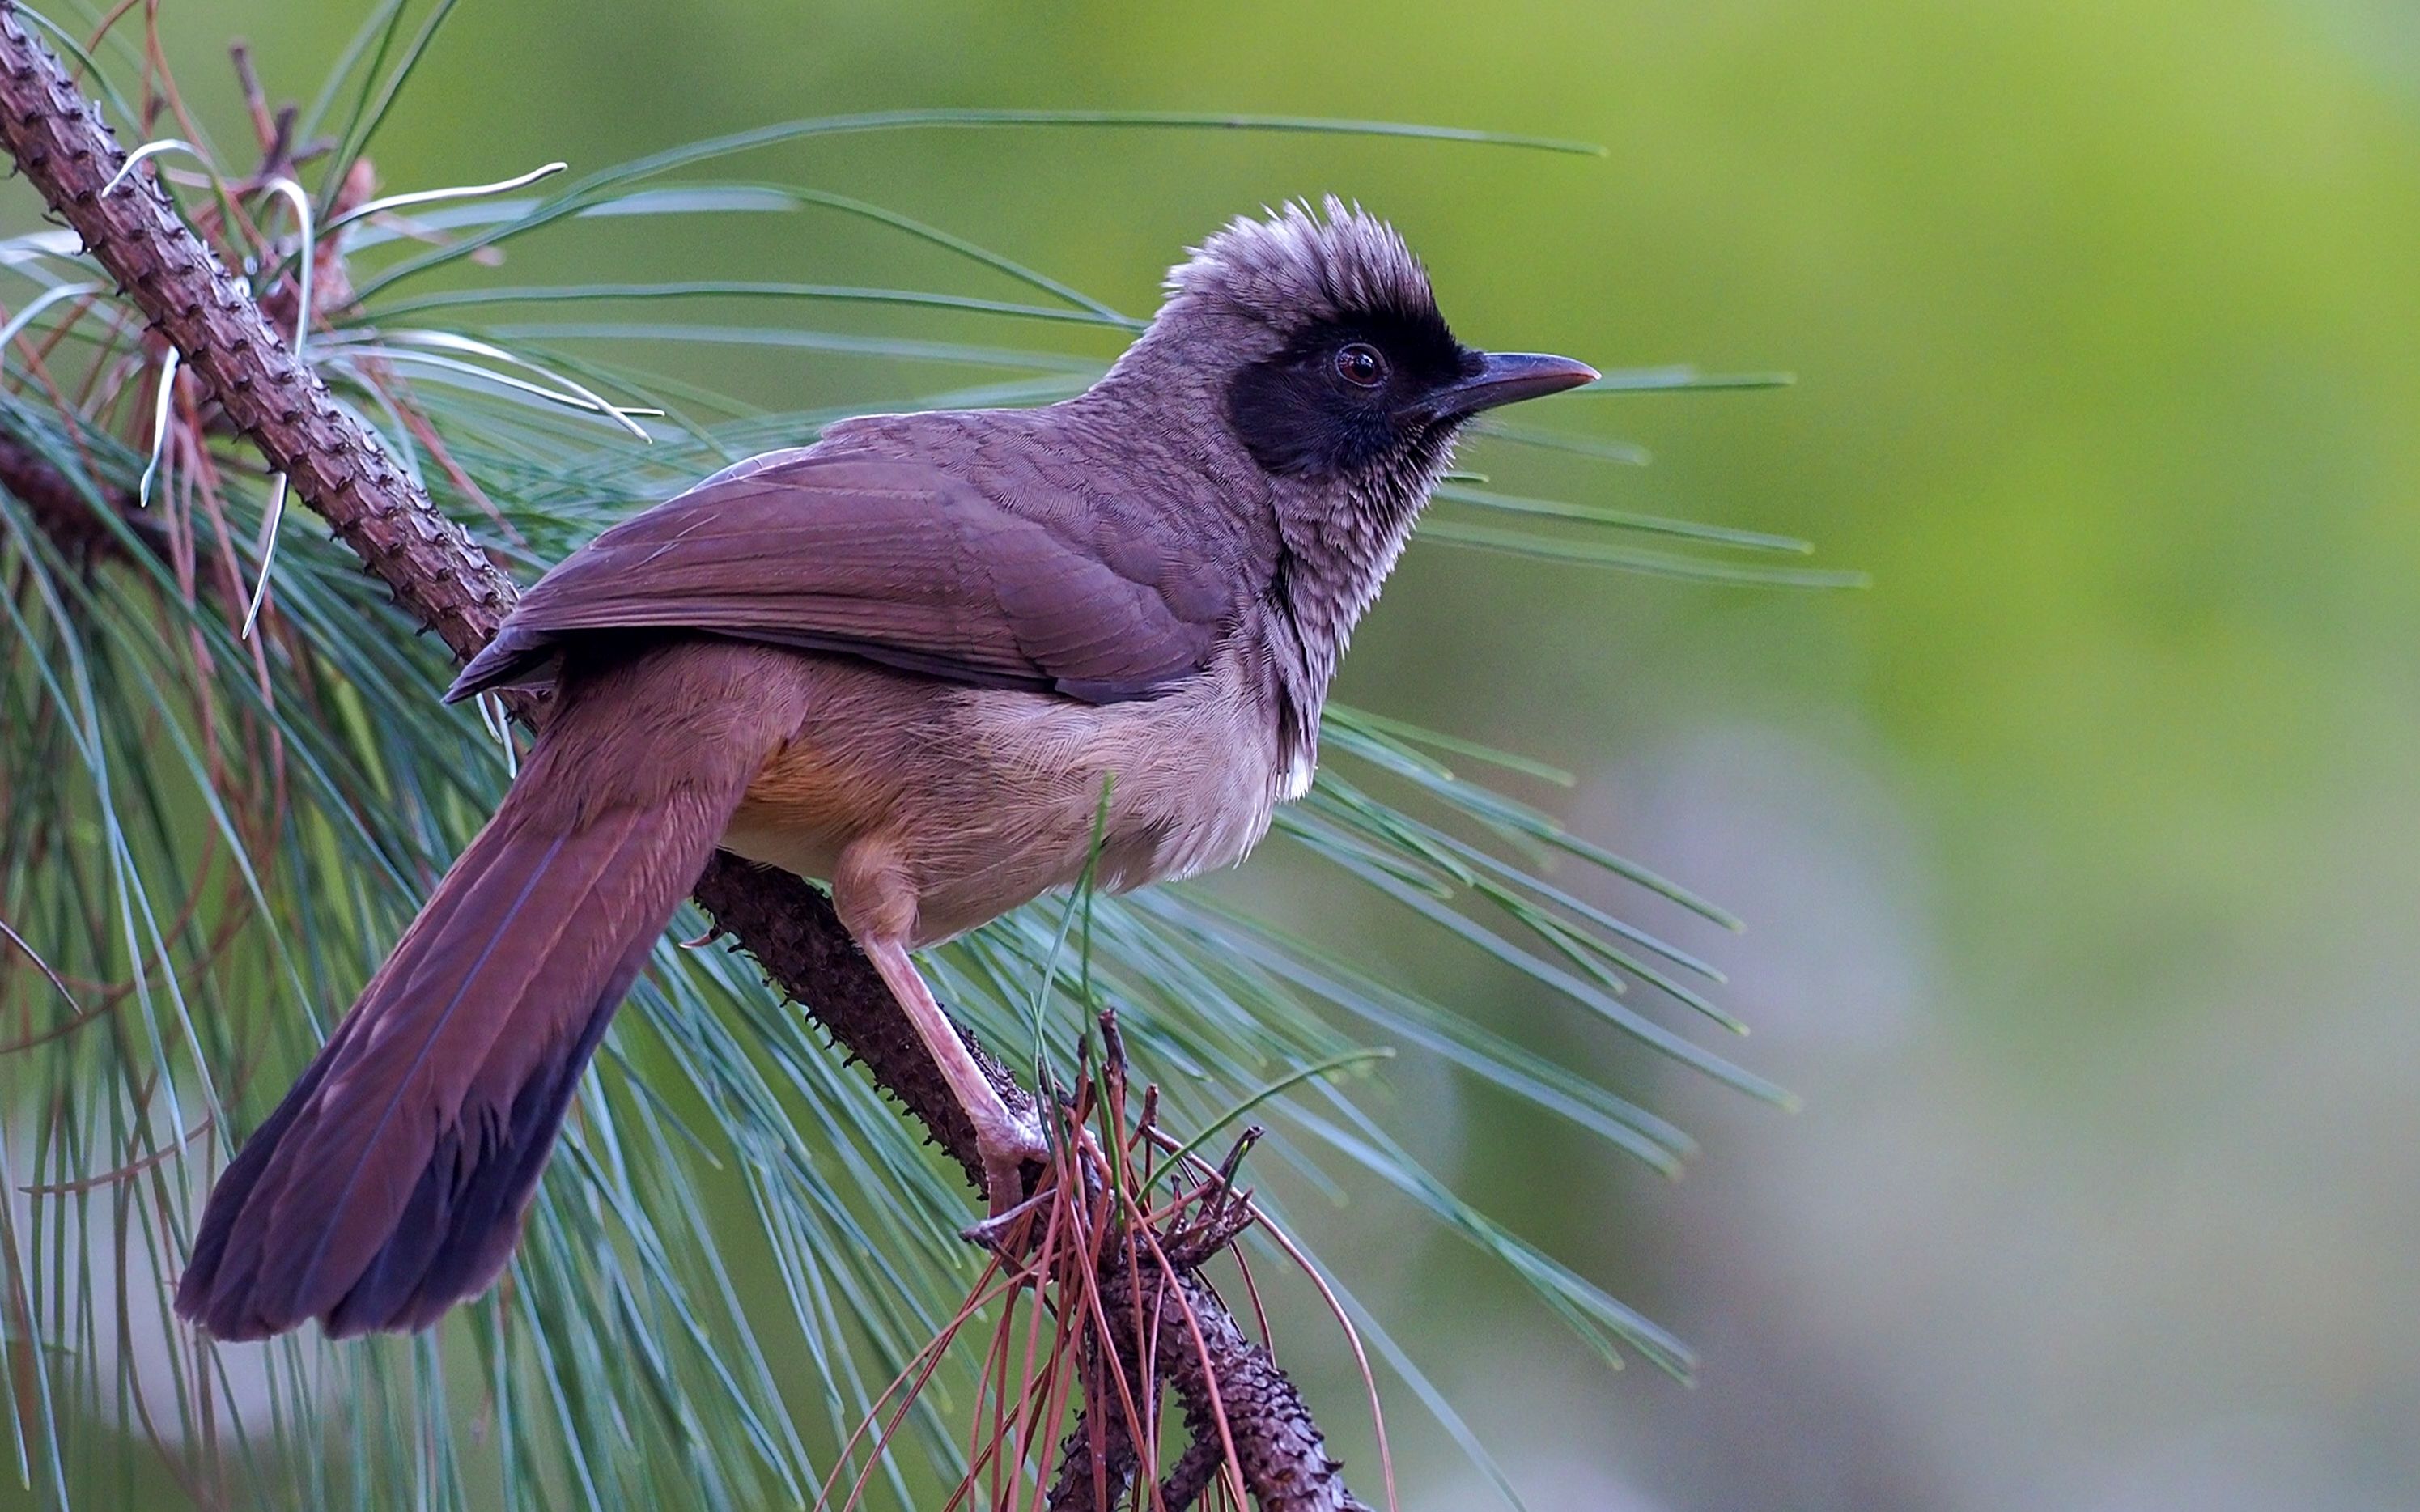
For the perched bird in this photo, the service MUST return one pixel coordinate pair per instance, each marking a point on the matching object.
(908, 661)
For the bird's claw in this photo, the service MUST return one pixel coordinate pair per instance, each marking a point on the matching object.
(993, 1233)
(1005, 1152)
(1005, 1162)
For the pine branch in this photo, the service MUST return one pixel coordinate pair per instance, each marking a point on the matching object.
(1278, 1443)
(81, 532)
(436, 573)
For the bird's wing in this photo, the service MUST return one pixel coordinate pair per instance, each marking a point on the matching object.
(898, 562)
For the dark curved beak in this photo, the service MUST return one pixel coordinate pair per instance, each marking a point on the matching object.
(1508, 378)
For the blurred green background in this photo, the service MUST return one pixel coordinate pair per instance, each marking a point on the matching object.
(2076, 851)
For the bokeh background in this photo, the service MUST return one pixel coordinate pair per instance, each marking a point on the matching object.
(2077, 853)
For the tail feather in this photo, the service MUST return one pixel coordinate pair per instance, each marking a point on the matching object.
(391, 1182)
(464, 1219)
(486, 986)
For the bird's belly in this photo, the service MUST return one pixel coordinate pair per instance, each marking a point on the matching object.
(1163, 788)
(800, 812)
(990, 798)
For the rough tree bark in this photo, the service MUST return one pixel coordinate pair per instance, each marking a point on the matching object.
(436, 573)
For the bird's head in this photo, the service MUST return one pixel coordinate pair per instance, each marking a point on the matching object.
(1330, 354)
(1315, 337)
(1339, 367)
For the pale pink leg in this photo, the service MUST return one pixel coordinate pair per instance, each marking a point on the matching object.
(1005, 1142)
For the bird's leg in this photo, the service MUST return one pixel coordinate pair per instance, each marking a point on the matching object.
(1003, 1140)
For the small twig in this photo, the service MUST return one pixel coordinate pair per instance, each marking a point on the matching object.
(255, 104)
(79, 530)
(1159, 1324)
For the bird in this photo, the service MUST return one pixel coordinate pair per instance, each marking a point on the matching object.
(939, 662)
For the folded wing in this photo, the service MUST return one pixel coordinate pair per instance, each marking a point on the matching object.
(897, 562)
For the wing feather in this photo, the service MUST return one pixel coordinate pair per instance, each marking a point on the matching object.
(902, 563)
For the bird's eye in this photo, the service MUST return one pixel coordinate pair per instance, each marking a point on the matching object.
(1360, 365)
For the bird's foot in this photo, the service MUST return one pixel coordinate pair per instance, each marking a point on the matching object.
(1005, 1164)
(1006, 1145)
(999, 1232)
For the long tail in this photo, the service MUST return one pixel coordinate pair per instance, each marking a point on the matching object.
(391, 1182)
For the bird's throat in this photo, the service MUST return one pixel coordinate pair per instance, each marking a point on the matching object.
(1334, 565)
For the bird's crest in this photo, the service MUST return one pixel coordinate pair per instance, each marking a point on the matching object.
(1299, 263)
